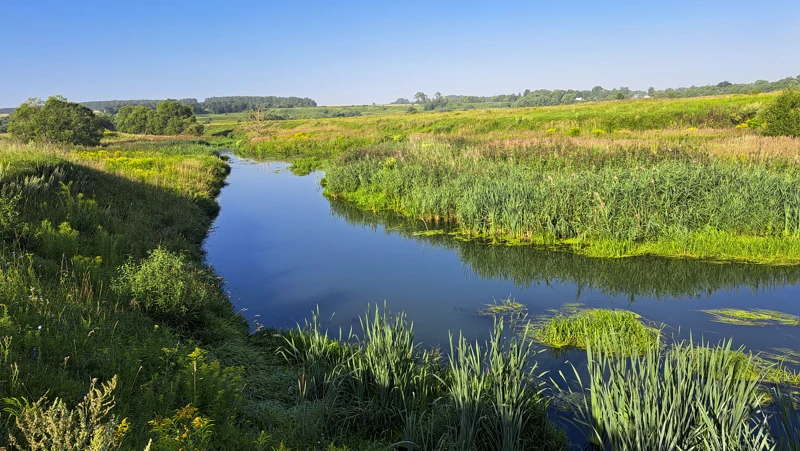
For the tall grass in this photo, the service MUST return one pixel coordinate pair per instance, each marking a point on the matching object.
(617, 207)
(485, 397)
(690, 397)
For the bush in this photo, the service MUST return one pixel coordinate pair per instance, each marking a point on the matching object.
(782, 116)
(167, 286)
(56, 120)
(574, 131)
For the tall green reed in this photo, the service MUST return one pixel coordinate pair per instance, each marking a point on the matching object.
(689, 397)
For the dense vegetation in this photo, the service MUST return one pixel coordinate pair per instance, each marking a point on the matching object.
(55, 120)
(168, 118)
(782, 117)
(245, 103)
(114, 106)
(4, 123)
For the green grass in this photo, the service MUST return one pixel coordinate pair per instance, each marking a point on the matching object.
(576, 327)
(752, 317)
(380, 381)
(505, 307)
(687, 397)
(620, 201)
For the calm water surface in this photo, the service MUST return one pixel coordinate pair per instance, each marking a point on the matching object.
(284, 249)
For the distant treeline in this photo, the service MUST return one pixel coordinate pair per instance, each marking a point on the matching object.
(6, 110)
(234, 104)
(544, 97)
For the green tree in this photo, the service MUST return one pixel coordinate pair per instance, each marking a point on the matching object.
(56, 120)
(420, 98)
(170, 116)
(134, 119)
(782, 116)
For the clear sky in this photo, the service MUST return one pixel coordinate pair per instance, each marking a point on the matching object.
(357, 52)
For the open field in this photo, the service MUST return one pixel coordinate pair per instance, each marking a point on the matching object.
(335, 112)
(656, 119)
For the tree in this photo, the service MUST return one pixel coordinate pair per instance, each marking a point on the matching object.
(169, 118)
(420, 98)
(401, 101)
(724, 84)
(651, 90)
(134, 119)
(782, 115)
(56, 120)
(619, 96)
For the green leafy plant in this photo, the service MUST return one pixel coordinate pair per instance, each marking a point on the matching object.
(167, 286)
(45, 426)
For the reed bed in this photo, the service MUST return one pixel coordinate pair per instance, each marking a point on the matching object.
(483, 397)
(689, 397)
(668, 202)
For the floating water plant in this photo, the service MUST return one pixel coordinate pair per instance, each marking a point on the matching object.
(573, 328)
(502, 308)
(752, 317)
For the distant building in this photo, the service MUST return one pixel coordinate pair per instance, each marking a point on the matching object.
(636, 96)
(578, 99)
(646, 97)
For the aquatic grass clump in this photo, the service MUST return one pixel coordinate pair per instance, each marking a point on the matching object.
(678, 399)
(768, 368)
(752, 317)
(503, 308)
(574, 329)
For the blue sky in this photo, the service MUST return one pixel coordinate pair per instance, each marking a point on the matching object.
(358, 52)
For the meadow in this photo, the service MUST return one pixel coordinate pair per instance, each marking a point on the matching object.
(678, 178)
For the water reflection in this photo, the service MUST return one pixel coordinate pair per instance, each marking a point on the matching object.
(637, 277)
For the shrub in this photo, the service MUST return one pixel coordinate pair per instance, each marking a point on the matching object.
(598, 132)
(88, 426)
(782, 116)
(56, 120)
(574, 131)
(186, 430)
(167, 286)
